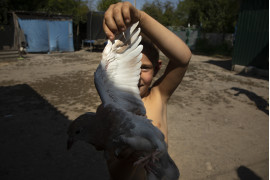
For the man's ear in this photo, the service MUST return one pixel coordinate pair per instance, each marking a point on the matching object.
(159, 64)
(157, 67)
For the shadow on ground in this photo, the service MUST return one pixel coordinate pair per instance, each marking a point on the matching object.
(254, 75)
(245, 173)
(225, 64)
(259, 101)
(33, 141)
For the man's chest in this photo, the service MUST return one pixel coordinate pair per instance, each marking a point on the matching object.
(156, 111)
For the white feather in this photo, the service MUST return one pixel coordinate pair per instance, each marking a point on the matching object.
(118, 73)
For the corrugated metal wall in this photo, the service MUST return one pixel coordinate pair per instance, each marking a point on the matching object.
(252, 35)
(44, 35)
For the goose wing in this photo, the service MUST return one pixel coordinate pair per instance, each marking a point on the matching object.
(118, 74)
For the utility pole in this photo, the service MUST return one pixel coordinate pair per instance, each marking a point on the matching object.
(135, 3)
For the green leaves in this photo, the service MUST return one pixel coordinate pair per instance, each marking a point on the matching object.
(78, 9)
(212, 15)
(103, 5)
(164, 12)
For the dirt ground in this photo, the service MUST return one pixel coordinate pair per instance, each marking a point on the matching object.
(218, 120)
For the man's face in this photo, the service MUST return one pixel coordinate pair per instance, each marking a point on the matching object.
(146, 77)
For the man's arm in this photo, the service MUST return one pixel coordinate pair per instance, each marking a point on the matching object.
(174, 48)
(121, 15)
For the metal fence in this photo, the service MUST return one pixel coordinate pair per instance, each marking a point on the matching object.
(191, 36)
(252, 35)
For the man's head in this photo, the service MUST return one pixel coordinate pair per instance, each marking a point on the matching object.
(150, 65)
(151, 51)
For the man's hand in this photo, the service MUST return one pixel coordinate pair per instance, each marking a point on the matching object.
(118, 17)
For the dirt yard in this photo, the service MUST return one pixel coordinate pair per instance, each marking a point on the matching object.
(218, 120)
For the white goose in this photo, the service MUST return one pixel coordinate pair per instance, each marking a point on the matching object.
(120, 123)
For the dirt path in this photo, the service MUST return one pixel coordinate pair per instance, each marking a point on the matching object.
(218, 120)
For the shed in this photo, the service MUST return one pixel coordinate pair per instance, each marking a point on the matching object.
(46, 33)
(252, 35)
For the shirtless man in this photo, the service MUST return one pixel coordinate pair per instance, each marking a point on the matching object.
(116, 19)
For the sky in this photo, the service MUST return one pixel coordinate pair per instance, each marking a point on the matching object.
(140, 3)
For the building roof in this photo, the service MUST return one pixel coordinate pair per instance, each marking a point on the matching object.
(41, 15)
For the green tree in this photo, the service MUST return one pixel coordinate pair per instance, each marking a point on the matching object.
(26, 5)
(163, 12)
(103, 5)
(212, 15)
(154, 9)
(186, 13)
(3, 12)
(168, 17)
(78, 9)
